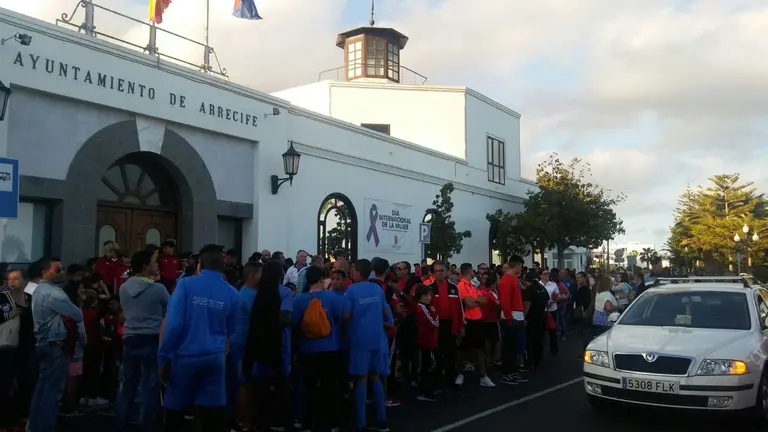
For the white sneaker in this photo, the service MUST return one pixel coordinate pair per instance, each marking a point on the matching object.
(459, 380)
(486, 382)
(97, 402)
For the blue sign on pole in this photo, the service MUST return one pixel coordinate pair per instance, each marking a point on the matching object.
(9, 188)
(425, 232)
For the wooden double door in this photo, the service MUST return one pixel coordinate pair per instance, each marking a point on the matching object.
(133, 228)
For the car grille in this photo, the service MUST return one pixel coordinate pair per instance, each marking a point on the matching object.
(690, 401)
(663, 365)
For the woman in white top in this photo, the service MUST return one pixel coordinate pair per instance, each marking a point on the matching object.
(554, 295)
(605, 304)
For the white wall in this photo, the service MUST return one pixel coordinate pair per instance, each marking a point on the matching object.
(433, 118)
(66, 63)
(315, 96)
(483, 119)
(362, 161)
(452, 121)
(322, 176)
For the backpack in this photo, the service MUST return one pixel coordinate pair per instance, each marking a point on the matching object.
(315, 323)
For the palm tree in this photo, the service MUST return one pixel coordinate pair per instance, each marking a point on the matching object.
(646, 254)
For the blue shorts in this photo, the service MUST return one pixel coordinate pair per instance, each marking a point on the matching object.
(200, 381)
(366, 362)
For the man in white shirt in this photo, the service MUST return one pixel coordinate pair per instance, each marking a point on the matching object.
(34, 273)
(292, 275)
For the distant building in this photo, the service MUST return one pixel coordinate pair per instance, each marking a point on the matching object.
(627, 254)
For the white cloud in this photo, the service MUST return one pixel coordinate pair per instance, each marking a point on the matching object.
(679, 86)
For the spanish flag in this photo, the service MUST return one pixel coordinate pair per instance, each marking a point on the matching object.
(156, 9)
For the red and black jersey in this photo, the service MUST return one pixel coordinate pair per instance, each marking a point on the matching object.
(447, 303)
(427, 327)
(107, 267)
(122, 274)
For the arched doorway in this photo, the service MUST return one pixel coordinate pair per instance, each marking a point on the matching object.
(426, 219)
(337, 226)
(137, 204)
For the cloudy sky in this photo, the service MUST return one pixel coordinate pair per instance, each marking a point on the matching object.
(654, 94)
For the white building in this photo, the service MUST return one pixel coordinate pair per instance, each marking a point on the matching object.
(117, 144)
(573, 258)
(626, 254)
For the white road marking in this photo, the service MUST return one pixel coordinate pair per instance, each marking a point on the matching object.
(491, 411)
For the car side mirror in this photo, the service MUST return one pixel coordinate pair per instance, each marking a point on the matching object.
(614, 317)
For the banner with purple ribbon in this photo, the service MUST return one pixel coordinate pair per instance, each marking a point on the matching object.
(389, 228)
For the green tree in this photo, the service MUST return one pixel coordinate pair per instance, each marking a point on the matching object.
(568, 210)
(444, 239)
(707, 218)
(506, 236)
(336, 239)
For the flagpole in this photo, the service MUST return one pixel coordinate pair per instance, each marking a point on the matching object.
(207, 55)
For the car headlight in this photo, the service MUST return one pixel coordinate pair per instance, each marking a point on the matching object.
(722, 367)
(597, 358)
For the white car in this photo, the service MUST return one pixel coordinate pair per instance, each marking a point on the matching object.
(698, 345)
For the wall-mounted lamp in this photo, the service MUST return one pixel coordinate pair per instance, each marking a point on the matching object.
(22, 38)
(6, 94)
(275, 112)
(290, 167)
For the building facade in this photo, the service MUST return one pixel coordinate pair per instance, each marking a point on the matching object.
(115, 144)
(628, 254)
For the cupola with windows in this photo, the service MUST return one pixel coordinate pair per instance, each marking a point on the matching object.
(372, 53)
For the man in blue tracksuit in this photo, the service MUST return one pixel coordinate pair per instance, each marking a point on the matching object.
(203, 313)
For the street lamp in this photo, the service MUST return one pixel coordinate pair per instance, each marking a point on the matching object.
(755, 238)
(6, 92)
(290, 167)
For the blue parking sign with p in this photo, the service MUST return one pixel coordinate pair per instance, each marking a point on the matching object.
(425, 231)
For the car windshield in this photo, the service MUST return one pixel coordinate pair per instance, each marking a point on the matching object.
(692, 309)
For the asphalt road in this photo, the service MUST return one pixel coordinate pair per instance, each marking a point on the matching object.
(553, 398)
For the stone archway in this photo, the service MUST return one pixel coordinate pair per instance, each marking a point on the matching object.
(177, 159)
(337, 226)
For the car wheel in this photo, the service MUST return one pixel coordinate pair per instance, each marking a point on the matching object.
(596, 403)
(760, 414)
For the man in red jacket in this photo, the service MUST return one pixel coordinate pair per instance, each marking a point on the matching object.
(512, 320)
(123, 271)
(447, 303)
(169, 265)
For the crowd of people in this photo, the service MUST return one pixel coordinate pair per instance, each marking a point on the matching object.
(275, 343)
